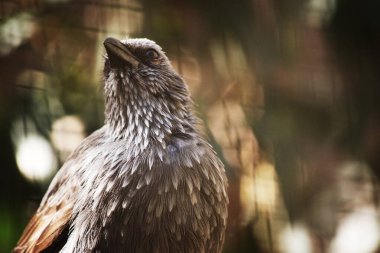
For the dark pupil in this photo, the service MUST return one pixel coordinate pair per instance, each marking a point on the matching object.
(151, 54)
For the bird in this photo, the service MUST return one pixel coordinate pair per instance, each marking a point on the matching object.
(147, 180)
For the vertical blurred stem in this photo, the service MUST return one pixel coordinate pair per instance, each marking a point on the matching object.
(269, 231)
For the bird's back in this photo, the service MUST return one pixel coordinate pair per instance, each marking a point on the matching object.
(48, 229)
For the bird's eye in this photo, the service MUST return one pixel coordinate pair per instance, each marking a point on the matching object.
(151, 55)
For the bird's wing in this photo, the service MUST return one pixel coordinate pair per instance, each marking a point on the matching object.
(49, 227)
(52, 217)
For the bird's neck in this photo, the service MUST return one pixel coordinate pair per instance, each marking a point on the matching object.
(142, 121)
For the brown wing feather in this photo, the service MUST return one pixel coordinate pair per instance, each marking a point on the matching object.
(42, 230)
(55, 211)
(54, 229)
(53, 215)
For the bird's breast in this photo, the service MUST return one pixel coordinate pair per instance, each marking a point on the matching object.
(176, 201)
(173, 210)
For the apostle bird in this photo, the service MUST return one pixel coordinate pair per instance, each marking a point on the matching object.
(144, 182)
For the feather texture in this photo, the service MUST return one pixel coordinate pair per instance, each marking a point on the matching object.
(146, 181)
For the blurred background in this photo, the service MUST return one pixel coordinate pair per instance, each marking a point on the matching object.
(288, 92)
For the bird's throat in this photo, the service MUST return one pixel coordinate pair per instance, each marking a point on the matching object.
(145, 121)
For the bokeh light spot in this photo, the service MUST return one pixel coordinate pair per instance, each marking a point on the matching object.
(35, 158)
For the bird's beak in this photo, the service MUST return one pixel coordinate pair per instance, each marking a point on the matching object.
(118, 52)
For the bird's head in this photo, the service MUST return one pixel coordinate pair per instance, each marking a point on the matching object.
(141, 63)
(141, 85)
